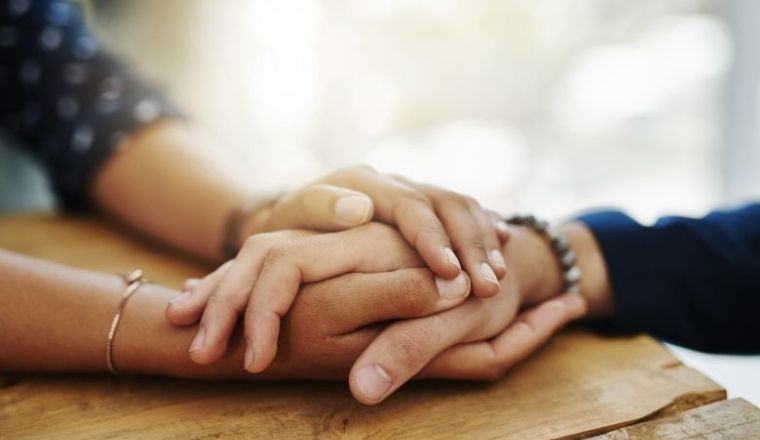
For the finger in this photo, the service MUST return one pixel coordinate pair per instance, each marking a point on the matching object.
(311, 259)
(502, 230)
(356, 300)
(467, 239)
(474, 238)
(187, 308)
(223, 304)
(488, 360)
(405, 347)
(190, 284)
(229, 299)
(490, 239)
(399, 204)
(321, 207)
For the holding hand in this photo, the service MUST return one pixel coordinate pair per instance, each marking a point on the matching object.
(483, 337)
(263, 280)
(449, 231)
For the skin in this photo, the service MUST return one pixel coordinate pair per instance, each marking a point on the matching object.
(470, 334)
(74, 308)
(264, 279)
(430, 220)
(476, 342)
(172, 157)
(496, 340)
(449, 231)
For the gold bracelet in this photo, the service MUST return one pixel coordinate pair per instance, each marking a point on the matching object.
(133, 280)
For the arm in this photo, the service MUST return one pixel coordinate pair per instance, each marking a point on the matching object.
(54, 318)
(109, 138)
(694, 282)
(691, 281)
(162, 183)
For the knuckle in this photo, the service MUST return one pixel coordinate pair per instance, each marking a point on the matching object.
(222, 305)
(278, 252)
(413, 199)
(525, 328)
(454, 199)
(474, 242)
(378, 230)
(417, 292)
(257, 241)
(413, 345)
(472, 202)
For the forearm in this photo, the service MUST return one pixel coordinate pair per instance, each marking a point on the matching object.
(55, 318)
(56, 321)
(164, 184)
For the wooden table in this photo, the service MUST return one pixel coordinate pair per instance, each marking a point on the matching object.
(580, 385)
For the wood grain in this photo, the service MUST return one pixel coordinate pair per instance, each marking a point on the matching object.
(729, 419)
(579, 385)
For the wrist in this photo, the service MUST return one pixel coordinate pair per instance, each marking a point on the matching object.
(148, 344)
(595, 284)
(247, 218)
(540, 275)
(533, 264)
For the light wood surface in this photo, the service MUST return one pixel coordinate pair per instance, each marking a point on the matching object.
(581, 384)
(728, 419)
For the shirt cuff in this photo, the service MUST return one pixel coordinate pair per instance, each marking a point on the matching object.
(638, 260)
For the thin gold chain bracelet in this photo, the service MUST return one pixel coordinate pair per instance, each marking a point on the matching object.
(133, 280)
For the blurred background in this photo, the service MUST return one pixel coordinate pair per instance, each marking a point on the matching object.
(545, 106)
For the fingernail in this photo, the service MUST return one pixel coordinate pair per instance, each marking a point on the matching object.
(451, 257)
(454, 288)
(353, 209)
(248, 357)
(488, 274)
(199, 340)
(181, 298)
(497, 259)
(373, 381)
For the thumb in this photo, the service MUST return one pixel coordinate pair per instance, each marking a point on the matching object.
(321, 207)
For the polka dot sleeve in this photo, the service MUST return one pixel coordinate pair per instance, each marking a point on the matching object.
(65, 99)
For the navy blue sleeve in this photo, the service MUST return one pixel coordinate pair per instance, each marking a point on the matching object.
(693, 282)
(63, 98)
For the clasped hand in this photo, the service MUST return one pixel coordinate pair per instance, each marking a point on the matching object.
(382, 302)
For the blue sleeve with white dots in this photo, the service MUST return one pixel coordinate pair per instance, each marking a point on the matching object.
(65, 99)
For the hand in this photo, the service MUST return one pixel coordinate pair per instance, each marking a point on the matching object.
(444, 345)
(265, 277)
(328, 326)
(491, 359)
(358, 306)
(332, 321)
(435, 221)
(443, 226)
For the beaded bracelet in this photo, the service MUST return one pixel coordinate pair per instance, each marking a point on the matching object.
(571, 275)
